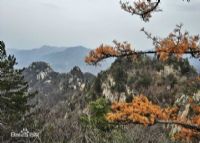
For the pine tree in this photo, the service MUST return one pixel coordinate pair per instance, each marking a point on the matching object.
(14, 93)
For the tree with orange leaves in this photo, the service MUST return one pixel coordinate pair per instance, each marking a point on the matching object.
(175, 44)
(141, 110)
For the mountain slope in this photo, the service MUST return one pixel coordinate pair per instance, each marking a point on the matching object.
(26, 57)
(52, 86)
(65, 98)
(59, 102)
(164, 83)
(127, 77)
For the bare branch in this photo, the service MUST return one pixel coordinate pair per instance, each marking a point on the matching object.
(142, 8)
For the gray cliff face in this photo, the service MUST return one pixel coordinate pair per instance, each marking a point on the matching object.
(52, 86)
(60, 100)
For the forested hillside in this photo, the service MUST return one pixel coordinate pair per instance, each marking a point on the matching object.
(75, 103)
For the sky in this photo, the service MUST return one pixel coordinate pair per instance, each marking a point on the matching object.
(28, 24)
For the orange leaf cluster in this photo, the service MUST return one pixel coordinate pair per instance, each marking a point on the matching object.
(187, 133)
(198, 78)
(196, 109)
(106, 51)
(141, 110)
(196, 119)
(177, 43)
(99, 53)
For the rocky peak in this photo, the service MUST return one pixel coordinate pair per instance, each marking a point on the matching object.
(76, 71)
(52, 86)
(38, 71)
(40, 66)
(127, 77)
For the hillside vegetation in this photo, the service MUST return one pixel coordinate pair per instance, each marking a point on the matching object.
(76, 113)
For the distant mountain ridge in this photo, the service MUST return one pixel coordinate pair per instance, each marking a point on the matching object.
(61, 59)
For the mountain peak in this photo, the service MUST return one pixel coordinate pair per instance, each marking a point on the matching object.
(76, 71)
(61, 59)
(41, 66)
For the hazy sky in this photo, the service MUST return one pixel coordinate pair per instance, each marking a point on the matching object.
(27, 24)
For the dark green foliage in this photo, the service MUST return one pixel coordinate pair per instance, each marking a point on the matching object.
(144, 81)
(97, 85)
(99, 107)
(13, 90)
(186, 68)
(120, 78)
(94, 90)
(129, 98)
(183, 65)
(191, 88)
(98, 110)
(96, 127)
(132, 80)
(158, 65)
(171, 80)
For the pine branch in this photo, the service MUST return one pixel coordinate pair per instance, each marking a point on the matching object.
(185, 125)
(12, 91)
(141, 8)
(132, 53)
(2, 125)
(150, 10)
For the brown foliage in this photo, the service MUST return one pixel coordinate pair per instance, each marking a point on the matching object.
(142, 111)
(177, 43)
(106, 51)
